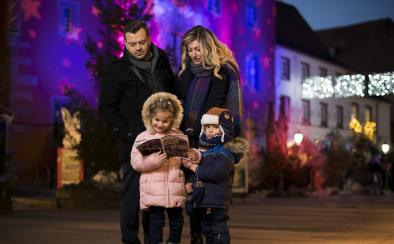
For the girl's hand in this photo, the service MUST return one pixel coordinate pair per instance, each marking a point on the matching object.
(162, 157)
(189, 187)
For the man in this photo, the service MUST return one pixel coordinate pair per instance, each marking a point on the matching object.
(143, 70)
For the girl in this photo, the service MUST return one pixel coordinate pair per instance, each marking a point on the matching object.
(162, 182)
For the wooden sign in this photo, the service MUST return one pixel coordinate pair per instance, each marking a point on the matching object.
(69, 168)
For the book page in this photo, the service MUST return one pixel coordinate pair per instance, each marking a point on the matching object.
(175, 145)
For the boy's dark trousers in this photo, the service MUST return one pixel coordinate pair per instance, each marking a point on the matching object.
(214, 225)
(130, 207)
(157, 222)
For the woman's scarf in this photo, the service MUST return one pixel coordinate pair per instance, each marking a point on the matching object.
(197, 93)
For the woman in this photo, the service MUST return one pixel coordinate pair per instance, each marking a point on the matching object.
(208, 77)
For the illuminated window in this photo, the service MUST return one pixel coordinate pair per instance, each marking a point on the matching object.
(339, 117)
(306, 112)
(251, 15)
(214, 6)
(323, 114)
(68, 17)
(368, 113)
(285, 68)
(253, 66)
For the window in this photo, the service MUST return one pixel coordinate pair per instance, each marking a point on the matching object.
(368, 113)
(323, 114)
(322, 71)
(285, 104)
(339, 117)
(253, 66)
(306, 112)
(214, 6)
(251, 15)
(69, 18)
(285, 68)
(354, 113)
(305, 73)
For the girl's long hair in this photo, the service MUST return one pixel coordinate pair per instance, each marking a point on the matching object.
(215, 52)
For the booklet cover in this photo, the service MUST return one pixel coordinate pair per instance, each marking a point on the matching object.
(172, 145)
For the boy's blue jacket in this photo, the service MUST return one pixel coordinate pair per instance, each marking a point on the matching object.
(216, 170)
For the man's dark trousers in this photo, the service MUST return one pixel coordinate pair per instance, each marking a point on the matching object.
(130, 207)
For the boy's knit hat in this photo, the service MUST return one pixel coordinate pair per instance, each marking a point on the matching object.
(221, 117)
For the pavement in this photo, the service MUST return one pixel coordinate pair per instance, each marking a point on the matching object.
(343, 219)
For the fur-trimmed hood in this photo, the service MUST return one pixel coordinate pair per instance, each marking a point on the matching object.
(147, 118)
(237, 145)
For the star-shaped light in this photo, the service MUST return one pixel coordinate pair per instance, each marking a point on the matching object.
(74, 34)
(234, 7)
(32, 34)
(30, 9)
(66, 63)
(266, 61)
(95, 11)
(256, 33)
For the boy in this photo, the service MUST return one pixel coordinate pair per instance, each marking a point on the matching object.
(215, 172)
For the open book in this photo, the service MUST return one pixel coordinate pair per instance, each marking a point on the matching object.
(172, 145)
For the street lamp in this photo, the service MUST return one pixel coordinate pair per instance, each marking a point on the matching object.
(298, 136)
(385, 148)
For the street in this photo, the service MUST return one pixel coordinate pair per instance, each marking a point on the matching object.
(330, 219)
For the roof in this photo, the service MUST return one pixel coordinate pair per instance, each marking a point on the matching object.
(365, 48)
(294, 32)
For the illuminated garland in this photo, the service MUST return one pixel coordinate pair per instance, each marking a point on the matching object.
(381, 84)
(348, 86)
(320, 87)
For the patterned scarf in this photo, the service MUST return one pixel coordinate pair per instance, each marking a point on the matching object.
(197, 93)
(206, 143)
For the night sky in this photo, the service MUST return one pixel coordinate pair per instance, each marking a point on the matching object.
(323, 14)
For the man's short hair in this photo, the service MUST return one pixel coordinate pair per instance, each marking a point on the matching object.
(135, 25)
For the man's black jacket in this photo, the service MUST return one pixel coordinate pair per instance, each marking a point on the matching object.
(123, 94)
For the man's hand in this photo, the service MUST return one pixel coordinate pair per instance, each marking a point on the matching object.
(189, 187)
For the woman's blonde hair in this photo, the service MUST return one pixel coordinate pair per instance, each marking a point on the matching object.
(215, 52)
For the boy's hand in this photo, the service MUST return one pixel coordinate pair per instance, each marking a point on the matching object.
(189, 187)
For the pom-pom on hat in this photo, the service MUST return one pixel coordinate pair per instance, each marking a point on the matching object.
(221, 117)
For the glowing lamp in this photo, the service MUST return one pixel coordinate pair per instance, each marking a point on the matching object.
(298, 136)
(385, 148)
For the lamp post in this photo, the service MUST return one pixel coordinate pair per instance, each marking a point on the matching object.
(385, 149)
